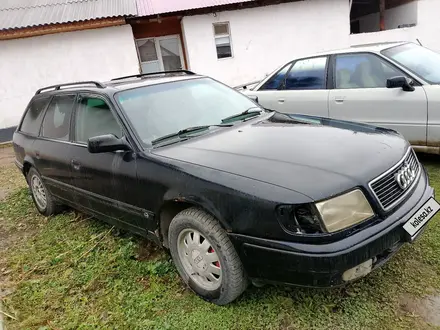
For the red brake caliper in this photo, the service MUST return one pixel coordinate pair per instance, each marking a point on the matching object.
(211, 250)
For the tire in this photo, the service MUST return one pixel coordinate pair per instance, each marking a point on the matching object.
(48, 206)
(226, 280)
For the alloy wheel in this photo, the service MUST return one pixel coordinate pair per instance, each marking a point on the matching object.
(199, 259)
(39, 192)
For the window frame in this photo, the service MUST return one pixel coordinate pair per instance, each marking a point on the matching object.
(155, 50)
(69, 139)
(229, 35)
(282, 85)
(326, 74)
(84, 94)
(380, 57)
(27, 109)
(260, 88)
(156, 41)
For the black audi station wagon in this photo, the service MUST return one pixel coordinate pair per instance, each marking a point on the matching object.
(236, 192)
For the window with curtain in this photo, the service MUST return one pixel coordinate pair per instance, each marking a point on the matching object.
(222, 40)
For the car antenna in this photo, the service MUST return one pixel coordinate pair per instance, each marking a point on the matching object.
(419, 42)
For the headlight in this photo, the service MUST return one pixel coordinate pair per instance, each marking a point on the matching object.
(344, 211)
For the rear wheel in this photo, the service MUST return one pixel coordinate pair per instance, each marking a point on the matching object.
(205, 257)
(41, 196)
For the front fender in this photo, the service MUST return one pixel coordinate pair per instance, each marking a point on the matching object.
(174, 195)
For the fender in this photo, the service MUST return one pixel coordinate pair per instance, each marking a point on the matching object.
(196, 200)
(27, 159)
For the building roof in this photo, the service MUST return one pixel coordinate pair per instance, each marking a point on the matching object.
(15, 14)
(156, 7)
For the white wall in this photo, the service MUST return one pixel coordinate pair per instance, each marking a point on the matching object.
(404, 14)
(427, 29)
(30, 63)
(265, 37)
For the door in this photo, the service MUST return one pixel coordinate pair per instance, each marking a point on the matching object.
(160, 54)
(360, 94)
(53, 149)
(103, 181)
(297, 88)
(433, 96)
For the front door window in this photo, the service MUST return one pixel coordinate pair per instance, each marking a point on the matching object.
(362, 71)
(160, 54)
(93, 118)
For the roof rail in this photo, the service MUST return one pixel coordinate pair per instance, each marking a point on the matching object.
(140, 75)
(58, 87)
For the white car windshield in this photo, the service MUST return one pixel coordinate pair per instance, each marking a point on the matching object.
(423, 62)
(159, 110)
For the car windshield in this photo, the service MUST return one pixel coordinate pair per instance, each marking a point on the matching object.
(159, 110)
(422, 61)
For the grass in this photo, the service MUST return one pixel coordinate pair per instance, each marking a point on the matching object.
(71, 272)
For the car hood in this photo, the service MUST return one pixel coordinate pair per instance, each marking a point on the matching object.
(317, 157)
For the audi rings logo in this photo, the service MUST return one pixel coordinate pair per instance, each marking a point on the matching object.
(405, 176)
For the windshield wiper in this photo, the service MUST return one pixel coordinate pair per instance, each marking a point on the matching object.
(247, 113)
(183, 133)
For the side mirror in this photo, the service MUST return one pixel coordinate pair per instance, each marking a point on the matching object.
(406, 84)
(107, 143)
(253, 98)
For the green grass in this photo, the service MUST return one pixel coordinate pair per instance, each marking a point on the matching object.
(78, 273)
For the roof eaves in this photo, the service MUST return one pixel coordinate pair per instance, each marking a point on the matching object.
(50, 12)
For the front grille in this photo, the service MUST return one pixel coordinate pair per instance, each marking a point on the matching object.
(386, 188)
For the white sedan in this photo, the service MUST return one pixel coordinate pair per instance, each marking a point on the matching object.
(395, 85)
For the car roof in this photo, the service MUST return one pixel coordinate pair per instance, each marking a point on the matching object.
(139, 82)
(374, 47)
(119, 84)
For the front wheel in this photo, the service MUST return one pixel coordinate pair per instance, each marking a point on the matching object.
(205, 257)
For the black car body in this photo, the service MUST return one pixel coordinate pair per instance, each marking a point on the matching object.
(259, 176)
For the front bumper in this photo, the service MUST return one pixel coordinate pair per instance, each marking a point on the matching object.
(323, 265)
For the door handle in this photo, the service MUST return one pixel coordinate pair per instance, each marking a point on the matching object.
(37, 154)
(339, 99)
(76, 166)
(281, 101)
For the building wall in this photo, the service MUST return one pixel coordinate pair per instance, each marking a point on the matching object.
(265, 37)
(404, 14)
(427, 29)
(30, 63)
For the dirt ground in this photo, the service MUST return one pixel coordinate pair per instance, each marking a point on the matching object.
(8, 172)
(427, 308)
(6, 156)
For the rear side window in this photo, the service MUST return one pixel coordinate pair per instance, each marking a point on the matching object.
(93, 118)
(56, 122)
(275, 81)
(307, 74)
(34, 116)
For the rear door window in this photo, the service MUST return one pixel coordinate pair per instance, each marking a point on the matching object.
(56, 123)
(94, 117)
(34, 116)
(307, 74)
